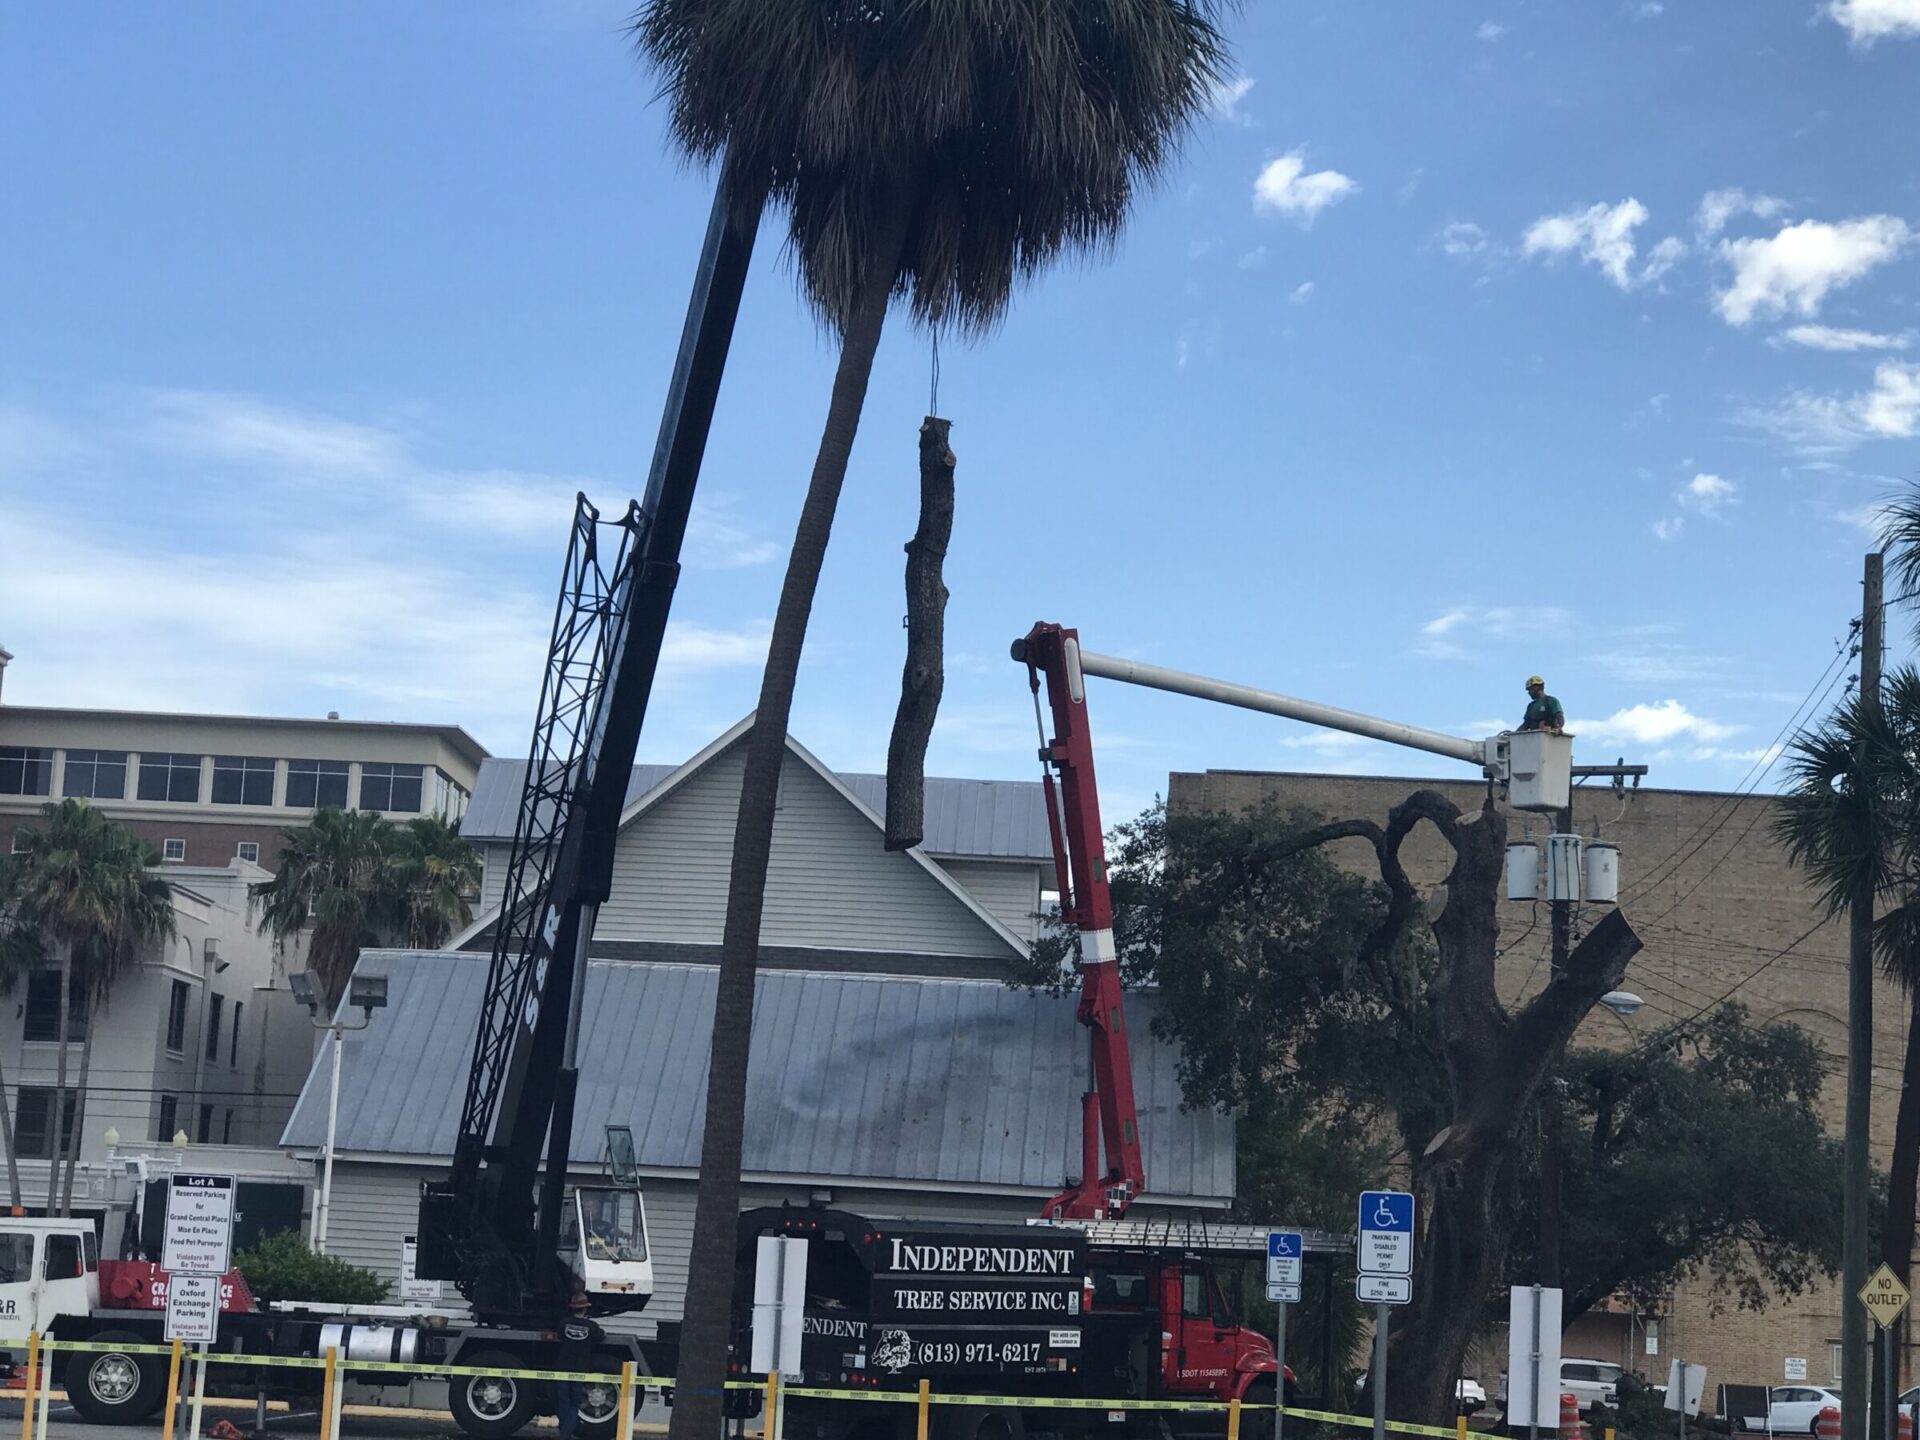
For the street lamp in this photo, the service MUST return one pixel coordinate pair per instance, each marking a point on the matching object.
(367, 993)
(1622, 1002)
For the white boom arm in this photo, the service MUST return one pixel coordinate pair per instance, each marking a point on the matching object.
(1474, 752)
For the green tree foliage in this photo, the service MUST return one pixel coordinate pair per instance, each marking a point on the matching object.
(285, 1267)
(1659, 1148)
(351, 879)
(82, 890)
(1269, 974)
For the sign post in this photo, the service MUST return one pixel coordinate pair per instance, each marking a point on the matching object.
(1285, 1251)
(196, 1250)
(1385, 1277)
(1533, 1350)
(779, 1315)
(1886, 1300)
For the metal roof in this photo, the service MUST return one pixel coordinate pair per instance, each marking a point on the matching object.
(965, 819)
(890, 1078)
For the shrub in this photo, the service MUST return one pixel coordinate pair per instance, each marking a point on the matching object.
(285, 1267)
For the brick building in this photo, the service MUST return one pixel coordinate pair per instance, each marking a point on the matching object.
(1716, 904)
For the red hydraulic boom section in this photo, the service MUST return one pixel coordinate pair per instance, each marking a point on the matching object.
(1080, 865)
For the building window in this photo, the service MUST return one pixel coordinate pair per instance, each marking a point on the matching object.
(174, 850)
(206, 1124)
(1833, 1359)
(169, 1118)
(96, 774)
(394, 788)
(242, 780)
(170, 777)
(177, 1019)
(249, 850)
(33, 1122)
(233, 1040)
(215, 1004)
(25, 770)
(317, 784)
(226, 1129)
(43, 1008)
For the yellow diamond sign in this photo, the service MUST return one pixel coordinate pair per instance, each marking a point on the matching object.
(1884, 1296)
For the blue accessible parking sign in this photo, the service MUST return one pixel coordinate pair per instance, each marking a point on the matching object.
(1386, 1232)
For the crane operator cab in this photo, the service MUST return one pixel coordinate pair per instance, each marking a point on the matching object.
(603, 1239)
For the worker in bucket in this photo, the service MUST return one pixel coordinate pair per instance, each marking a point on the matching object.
(1543, 711)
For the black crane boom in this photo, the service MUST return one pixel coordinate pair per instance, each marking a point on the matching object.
(481, 1228)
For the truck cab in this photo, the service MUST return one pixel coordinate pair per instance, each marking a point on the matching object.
(1205, 1351)
(48, 1268)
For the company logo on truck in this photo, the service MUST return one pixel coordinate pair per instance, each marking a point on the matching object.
(912, 1300)
(837, 1329)
(894, 1352)
(930, 1259)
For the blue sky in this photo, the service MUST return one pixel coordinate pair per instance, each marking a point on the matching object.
(1463, 341)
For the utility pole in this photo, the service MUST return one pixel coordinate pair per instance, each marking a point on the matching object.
(1855, 1361)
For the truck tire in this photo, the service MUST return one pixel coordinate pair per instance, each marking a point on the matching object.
(112, 1387)
(491, 1407)
(984, 1422)
(600, 1407)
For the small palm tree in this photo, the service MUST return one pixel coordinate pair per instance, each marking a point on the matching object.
(85, 886)
(435, 875)
(1852, 820)
(22, 951)
(332, 878)
(933, 152)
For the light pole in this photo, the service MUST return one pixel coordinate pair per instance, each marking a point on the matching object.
(368, 993)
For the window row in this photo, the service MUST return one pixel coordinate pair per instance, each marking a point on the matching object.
(237, 780)
(41, 1016)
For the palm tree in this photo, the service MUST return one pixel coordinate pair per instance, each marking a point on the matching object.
(21, 953)
(333, 877)
(434, 874)
(934, 152)
(84, 884)
(1852, 819)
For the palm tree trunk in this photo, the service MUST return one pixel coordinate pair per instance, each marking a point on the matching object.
(79, 1120)
(706, 1323)
(54, 1147)
(1903, 1176)
(13, 1156)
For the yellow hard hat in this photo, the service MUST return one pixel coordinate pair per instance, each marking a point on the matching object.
(1533, 680)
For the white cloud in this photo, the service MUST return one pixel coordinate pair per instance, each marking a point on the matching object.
(1828, 337)
(1286, 188)
(1253, 259)
(1652, 724)
(1301, 293)
(1489, 30)
(1440, 637)
(1671, 528)
(1662, 258)
(718, 539)
(1826, 424)
(1650, 10)
(1869, 20)
(1717, 207)
(1797, 268)
(1708, 495)
(1600, 234)
(359, 576)
(1223, 100)
(1462, 238)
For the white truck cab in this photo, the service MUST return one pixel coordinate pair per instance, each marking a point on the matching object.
(47, 1268)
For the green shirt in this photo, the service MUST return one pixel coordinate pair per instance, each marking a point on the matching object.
(1543, 712)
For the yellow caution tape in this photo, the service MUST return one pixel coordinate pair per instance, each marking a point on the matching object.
(666, 1382)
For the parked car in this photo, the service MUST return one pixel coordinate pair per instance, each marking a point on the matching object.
(1471, 1396)
(1591, 1382)
(1791, 1409)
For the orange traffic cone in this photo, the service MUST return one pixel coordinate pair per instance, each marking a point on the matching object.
(1826, 1425)
(1570, 1426)
(1906, 1425)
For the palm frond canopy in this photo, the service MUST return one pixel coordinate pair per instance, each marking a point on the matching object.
(1013, 129)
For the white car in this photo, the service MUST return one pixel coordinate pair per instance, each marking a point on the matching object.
(1791, 1409)
(1591, 1382)
(1471, 1396)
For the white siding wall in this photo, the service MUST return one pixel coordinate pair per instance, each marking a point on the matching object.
(1010, 890)
(830, 884)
